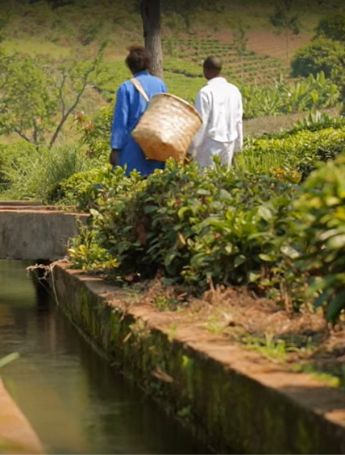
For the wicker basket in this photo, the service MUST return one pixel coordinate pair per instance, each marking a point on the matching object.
(167, 128)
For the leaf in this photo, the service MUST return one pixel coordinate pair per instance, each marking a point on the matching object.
(182, 211)
(239, 260)
(335, 307)
(181, 239)
(266, 257)
(253, 277)
(94, 213)
(169, 259)
(202, 192)
(150, 208)
(336, 242)
(265, 213)
(290, 252)
(229, 248)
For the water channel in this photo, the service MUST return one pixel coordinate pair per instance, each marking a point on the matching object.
(73, 399)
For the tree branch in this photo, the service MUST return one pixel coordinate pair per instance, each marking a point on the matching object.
(23, 136)
(69, 111)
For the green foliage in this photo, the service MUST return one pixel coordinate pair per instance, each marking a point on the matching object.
(220, 227)
(240, 38)
(36, 173)
(314, 92)
(217, 226)
(292, 156)
(315, 249)
(322, 54)
(283, 18)
(95, 132)
(332, 27)
(27, 103)
(10, 158)
(87, 255)
(82, 189)
(37, 96)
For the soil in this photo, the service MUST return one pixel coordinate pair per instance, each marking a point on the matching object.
(275, 45)
(303, 340)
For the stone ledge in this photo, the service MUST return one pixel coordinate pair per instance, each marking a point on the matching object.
(16, 434)
(32, 233)
(231, 398)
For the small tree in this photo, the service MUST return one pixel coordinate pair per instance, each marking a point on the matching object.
(283, 19)
(240, 41)
(37, 98)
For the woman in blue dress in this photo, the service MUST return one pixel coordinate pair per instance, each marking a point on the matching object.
(129, 107)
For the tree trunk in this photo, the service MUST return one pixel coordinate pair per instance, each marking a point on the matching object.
(151, 16)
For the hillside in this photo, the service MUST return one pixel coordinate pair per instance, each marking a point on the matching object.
(190, 29)
(256, 54)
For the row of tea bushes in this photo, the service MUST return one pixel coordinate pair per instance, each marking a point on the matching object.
(295, 154)
(281, 238)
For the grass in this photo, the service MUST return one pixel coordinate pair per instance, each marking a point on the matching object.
(35, 46)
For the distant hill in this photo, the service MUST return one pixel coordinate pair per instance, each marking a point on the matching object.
(242, 32)
(51, 26)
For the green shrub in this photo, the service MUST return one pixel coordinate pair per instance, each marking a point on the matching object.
(314, 92)
(237, 227)
(316, 242)
(95, 133)
(322, 54)
(219, 226)
(83, 189)
(332, 27)
(294, 155)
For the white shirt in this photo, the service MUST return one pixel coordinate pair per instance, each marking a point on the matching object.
(220, 105)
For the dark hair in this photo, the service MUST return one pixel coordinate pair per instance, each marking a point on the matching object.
(138, 59)
(213, 64)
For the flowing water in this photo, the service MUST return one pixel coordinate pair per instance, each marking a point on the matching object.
(73, 399)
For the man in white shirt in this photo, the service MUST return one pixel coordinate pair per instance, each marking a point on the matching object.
(220, 105)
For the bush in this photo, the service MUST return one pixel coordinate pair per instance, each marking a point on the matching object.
(332, 27)
(316, 242)
(314, 92)
(95, 133)
(294, 155)
(322, 54)
(220, 227)
(236, 227)
(83, 189)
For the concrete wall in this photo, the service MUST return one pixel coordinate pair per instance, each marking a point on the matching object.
(232, 398)
(36, 233)
(16, 433)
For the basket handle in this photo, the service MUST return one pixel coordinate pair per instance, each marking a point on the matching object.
(140, 89)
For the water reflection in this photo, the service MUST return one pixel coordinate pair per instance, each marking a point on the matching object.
(73, 399)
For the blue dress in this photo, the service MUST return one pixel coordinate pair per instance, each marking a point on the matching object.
(129, 107)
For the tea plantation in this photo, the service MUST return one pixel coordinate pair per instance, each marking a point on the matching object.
(275, 223)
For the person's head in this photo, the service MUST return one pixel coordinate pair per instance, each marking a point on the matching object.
(138, 59)
(212, 67)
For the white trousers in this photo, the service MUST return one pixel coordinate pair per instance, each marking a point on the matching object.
(209, 149)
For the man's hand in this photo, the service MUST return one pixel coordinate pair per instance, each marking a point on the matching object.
(114, 157)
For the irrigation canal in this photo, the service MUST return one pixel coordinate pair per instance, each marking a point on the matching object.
(73, 399)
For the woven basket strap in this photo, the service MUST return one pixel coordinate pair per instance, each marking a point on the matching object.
(140, 89)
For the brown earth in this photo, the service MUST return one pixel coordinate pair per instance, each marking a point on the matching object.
(302, 340)
(276, 45)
